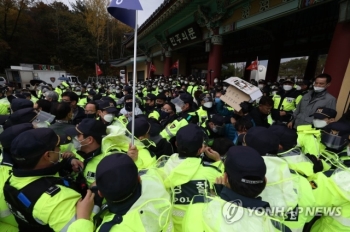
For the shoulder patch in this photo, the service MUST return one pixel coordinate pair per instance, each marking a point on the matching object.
(53, 190)
(90, 175)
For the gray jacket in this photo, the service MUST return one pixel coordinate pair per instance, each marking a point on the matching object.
(308, 105)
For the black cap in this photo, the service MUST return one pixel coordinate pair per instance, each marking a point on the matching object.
(290, 80)
(91, 92)
(117, 179)
(19, 95)
(21, 116)
(322, 113)
(205, 97)
(88, 127)
(142, 127)
(262, 81)
(156, 128)
(288, 137)
(189, 139)
(338, 128)
(106, 106)
(151, 97)
(218, 120)
(34, 143)
(127, 97)
(186, 97)
(12, 132)
(161, 96)
(261, 139)
(336, 136)
(245, 165)
(127, 88)
(110, 100)
(306, 82)
(19, 103)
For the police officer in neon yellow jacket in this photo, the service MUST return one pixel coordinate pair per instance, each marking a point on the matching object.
(38, 198)
(87, 139)
(7, 220)
(309, 139)
(186, 175)
(141, 132)
(192, 88)
(150, 106)
(286, 100)
(135, 203)
(4, 102)
(286, 188)
(205, 110)
(183, 104)
(335, 138)
(238, 193)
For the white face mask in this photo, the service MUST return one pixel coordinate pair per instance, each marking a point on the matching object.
(287, 87)
(162, 84)
(178, 109)
(58, 160)
(208, 104)
(77, 145)
(298, 87)
(318, 123)
(224, 88)
(186, 82)
(78, 93)
(117, 91)
(274, 92)
(319, 89)
(261, 86)
(215, 81)
(108, 117)
(170, 79)
(348, 151)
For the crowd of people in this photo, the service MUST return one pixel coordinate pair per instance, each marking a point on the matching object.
(68, 163)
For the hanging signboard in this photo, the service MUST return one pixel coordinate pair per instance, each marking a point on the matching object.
(187, 35)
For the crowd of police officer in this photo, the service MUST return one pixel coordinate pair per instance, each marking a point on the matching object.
(279, 163)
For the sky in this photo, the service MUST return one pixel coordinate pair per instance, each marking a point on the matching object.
(149, 6)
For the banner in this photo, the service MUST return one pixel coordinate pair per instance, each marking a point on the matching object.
(253, 66)
(98, 70)
(175, 65)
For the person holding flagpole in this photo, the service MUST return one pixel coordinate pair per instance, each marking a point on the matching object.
(127, 197)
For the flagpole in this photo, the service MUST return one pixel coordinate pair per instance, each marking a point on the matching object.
(257, 68)
(149, 70)
(96, 71)
(178, 68)
(134, 82)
